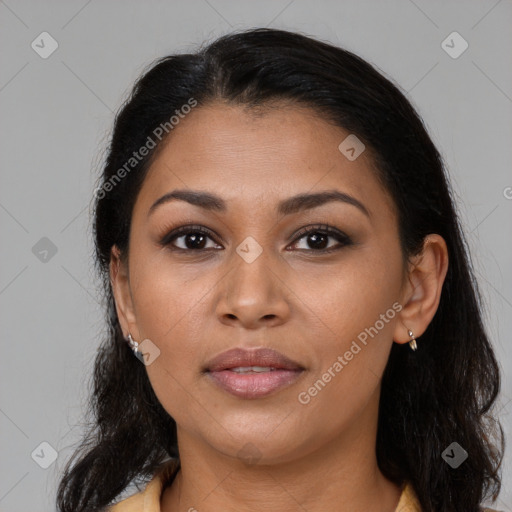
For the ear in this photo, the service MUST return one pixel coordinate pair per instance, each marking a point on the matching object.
(120, 283)
(422, 291)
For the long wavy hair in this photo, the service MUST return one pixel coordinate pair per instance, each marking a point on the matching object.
(443, 392)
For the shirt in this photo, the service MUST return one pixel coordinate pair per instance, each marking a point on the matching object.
(148, 500)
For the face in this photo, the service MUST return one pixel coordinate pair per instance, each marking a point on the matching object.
(319, 281)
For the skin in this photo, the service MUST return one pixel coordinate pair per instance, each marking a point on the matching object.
(306, 304)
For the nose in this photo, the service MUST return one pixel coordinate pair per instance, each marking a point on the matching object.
(254, 294)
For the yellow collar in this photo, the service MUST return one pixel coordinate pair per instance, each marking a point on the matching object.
(149, 499)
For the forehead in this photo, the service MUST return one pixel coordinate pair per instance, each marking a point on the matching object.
(259, 154)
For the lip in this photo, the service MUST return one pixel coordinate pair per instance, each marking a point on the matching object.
(283, 372)
(251, 357)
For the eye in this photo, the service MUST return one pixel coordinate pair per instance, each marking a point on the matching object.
(196, 238)
(317, 237)
(189, 238)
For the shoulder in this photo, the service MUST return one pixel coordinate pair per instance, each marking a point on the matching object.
(149, 498)
(409, 501)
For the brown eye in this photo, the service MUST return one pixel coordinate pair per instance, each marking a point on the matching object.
(316, 238)
(189, 238)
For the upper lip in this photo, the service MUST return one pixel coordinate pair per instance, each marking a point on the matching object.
(242, 357)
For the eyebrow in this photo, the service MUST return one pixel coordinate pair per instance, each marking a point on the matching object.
(294, 204)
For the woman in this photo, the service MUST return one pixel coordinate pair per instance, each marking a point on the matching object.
(279, 249)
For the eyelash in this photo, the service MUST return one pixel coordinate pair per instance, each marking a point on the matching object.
(323, 229)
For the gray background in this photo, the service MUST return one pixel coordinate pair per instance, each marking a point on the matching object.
(56, 113)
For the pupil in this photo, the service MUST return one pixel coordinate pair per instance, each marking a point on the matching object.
(194, 238)
(314, 238)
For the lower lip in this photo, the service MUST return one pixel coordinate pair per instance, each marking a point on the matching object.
(254, 385)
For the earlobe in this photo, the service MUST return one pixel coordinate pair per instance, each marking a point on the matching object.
(422, 292)
(121, 290)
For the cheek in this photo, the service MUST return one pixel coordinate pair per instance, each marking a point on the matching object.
(171, 312)
(354, 320)
(166, 295)
(350, 298)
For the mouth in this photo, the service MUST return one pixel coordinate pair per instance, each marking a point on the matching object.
(253, 381)
(252, 374)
